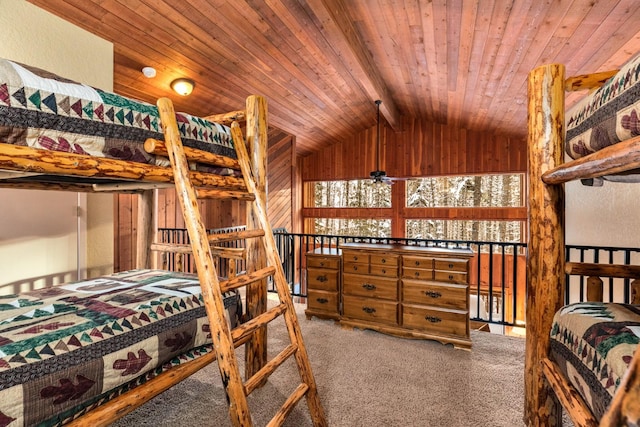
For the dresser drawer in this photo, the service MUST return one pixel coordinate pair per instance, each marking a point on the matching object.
(417, 262)
(323, 301)
(355, 267)
(370, 286)
(451, 264)
(416, 273)
(384, 259)
(332, 263)
(373, 310)
(383, 270)
(355, 256)
(321, 279)
(450, 276)
(448, 322)
(435, 294)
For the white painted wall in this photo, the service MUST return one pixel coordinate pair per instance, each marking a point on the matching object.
(38, 229)
(603, 216)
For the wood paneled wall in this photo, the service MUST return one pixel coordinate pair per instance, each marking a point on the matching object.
(420, 149)
(281, 192)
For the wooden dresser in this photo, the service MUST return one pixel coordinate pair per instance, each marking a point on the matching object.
(323, 282)
(408, 291)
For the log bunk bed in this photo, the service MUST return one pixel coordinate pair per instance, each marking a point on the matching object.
(89, 352)
(580, 357)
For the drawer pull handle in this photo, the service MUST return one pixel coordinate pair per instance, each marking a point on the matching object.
(417, 274)
(321, 279)
(384, 271)
(322, 300)
(384, 260)
(451, 277)
(450, 265)
(433, 294)
(433, 319)
(321, 264)
(369, 286)
(417, 263)
(369, 310)
(355, 268)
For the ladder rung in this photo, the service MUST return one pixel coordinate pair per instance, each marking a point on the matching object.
(279, 418)
(259, 377)
(243, 341)
(182, 248)
(235, 235)
(214, 193)
(251, 325)
(229, 253)
(246, 279)
(177, 248)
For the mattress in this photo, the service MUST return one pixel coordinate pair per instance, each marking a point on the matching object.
(67, 348)
(606, 116)
(45, 111)
(593, 344)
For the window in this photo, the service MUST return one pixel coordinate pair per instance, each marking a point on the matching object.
(483, 192)
(473, 230)
(465, 191)
(485, 208)
(353, 227)
(361, 193)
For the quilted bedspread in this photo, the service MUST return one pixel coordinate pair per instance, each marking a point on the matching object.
(593, 343)
(41, 110)
(68, 348)
(606, 116)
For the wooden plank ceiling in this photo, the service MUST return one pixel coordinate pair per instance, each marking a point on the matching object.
(322, 63)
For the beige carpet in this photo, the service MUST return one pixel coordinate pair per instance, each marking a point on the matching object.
(366, 379)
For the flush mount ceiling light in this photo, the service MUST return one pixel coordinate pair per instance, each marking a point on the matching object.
(149, 72)
(183, 86)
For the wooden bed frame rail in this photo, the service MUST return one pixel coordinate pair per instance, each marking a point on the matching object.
(545, 387)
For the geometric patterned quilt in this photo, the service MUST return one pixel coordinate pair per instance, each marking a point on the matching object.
(45, 111)
(68, 348)
(593, 344)
(606, 116)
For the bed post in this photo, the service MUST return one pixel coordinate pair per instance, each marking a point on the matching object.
(257, 141)
(545, 255)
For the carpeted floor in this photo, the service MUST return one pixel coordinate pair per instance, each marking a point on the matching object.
(366, 379)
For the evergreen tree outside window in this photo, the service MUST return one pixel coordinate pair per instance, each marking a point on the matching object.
(353, 227)
(359, 193)
(430, 209)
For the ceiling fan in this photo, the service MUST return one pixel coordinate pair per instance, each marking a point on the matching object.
(378, 175)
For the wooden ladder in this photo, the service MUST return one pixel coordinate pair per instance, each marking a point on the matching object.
(226, 340)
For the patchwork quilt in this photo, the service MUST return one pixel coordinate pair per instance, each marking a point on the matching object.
(69, 348)
(608, 115)
(42, 110)
(593, 344)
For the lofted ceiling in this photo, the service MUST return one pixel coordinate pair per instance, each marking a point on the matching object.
(322, 63)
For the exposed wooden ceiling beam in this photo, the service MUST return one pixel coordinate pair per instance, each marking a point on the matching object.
(339, 29)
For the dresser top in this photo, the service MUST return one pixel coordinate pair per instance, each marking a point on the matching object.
(432, 250)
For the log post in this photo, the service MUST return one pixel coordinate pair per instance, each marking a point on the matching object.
(545, 255)
(257, 141)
